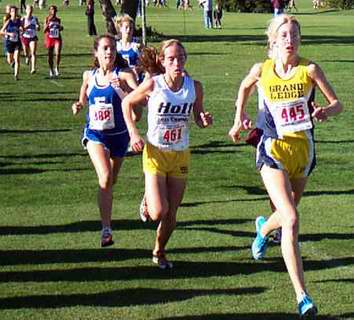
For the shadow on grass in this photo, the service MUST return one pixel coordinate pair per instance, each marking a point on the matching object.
(254, 190)
(33, 131)
(95, 225)
(12, 171)
(261, 39)
(38, 257)
(335, 141)
(39, 99)
(46, 155)
(247, 316)
(182, 270)
(120, 298)
(349, 280)
(199, 203)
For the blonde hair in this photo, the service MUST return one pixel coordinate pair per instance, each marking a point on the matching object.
(124, 18)
(273, 29)
(168, 43)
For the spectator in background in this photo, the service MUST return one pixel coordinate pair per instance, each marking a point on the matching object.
(218, 14)
(90, 13)
(278, 7)
(208, 12)
(22, 6)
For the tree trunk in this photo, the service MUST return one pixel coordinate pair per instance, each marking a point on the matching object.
(109, 13)
(130, 7)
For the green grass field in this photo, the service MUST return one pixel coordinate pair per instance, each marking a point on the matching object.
(51, 266)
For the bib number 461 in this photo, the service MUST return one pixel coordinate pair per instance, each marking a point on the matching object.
(172, 135)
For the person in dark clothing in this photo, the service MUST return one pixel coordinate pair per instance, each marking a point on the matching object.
(90, 13)
(278, 7)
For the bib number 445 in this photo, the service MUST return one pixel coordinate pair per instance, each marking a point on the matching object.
(293, 114)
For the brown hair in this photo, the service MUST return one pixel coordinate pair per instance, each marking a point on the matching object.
(119, 61)
(149, 61)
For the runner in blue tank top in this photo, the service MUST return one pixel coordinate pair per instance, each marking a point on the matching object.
(105, 135)
(11, 31)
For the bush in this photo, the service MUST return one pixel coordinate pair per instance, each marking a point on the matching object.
(248, 5)
(342, 4)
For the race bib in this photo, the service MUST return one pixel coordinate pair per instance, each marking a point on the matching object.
(126, 58)
(29, 33)
(101, 115)
(54, 33)
(14, 37)
(292, 116)
(170, 136)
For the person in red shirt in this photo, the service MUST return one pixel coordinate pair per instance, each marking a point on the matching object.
(53, 41)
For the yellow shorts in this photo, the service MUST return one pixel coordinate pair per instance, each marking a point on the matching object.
(295, 156)
(165, 163)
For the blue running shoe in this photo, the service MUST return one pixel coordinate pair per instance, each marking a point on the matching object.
(307, 309)
(259, 245)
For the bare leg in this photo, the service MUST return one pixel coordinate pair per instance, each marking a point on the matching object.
(107, 170)
(163, 196)
(17, 63)
(51, 58)
(280, 190)
(33, 47)
(57, 50)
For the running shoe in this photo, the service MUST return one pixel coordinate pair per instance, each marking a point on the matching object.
(307, 308)
(106, 237)
(161, 261)
(56, 72)
(51, 73)
(143, 211)
(259, 245)
(27, 60)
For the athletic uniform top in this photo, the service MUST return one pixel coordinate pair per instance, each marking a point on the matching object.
(131, 53)
(53, 30)
(13, 27)
(169, 113)
(286, 102)
(31, 27)
(105, 106)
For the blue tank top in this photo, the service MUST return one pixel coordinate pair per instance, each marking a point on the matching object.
(131, 54)
(13, 27)
(105, 107)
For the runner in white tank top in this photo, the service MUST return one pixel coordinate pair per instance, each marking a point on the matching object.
(168, 114)
(172, 96)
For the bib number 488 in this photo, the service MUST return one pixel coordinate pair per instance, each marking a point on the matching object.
(102, 115)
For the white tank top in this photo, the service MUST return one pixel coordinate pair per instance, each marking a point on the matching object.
(169, 113)
(31, 25)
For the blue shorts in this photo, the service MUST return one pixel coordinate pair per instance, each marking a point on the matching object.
(116, 144)
(11, 47)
